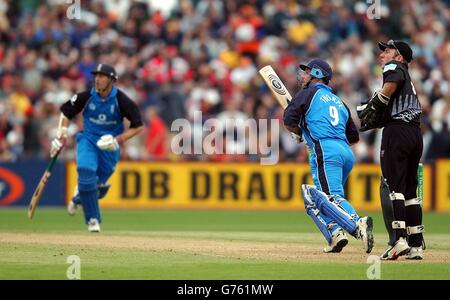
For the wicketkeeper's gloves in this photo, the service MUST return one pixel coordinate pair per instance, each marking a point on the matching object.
(372, 114)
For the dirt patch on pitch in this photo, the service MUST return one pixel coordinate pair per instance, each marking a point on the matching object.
(215, 247)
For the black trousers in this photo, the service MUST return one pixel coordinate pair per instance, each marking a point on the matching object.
(401, 150)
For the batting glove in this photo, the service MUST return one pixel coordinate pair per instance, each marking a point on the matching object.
(108, 143)
(58, 142)
(297, 138)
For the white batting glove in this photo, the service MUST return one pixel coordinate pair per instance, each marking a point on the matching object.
(297, 138)
(108, 143)
(58, 142)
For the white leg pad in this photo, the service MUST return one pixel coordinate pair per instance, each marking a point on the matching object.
(398, 224)
(396, 196)
(415, 229)
(414, 201)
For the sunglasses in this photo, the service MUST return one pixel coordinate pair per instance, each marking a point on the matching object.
(391, 43)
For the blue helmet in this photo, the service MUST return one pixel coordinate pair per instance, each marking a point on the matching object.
(318, 69)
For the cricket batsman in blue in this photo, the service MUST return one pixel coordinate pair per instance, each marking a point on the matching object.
(103, 108)
(325, 122)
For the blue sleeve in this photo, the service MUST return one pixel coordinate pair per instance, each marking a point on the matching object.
(295, 111)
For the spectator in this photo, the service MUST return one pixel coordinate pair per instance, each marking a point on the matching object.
(197, 55)
(156, 137)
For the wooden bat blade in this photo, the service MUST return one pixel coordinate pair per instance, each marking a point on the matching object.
(276, 86)
(40, 187)
(37, 194)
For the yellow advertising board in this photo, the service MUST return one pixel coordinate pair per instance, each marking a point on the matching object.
(443, 185)
(227, 186)
(364, 187)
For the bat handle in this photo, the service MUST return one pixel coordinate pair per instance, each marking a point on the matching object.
(52, 163)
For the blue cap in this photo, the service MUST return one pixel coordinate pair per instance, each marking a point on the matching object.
(318, 69)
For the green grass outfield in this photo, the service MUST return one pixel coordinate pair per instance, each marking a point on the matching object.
(200, 245)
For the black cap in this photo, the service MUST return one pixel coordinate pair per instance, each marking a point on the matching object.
(402, 47)
(105, 69)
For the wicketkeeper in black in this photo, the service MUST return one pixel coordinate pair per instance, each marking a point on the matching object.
(396, 107)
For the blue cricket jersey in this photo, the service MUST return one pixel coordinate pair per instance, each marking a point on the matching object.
(328, 128)
(103, 116)
(320, 115)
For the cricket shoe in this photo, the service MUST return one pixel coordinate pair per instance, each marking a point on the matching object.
(338, 242)
(93, 225)
(73, 207)
(364, 232)
(398, 249)
(415, 253)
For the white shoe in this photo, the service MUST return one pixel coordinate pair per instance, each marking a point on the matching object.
(93, 225)
(338, 241)
(364, 232)
(72, 208)
(415, 253)
(393, 252)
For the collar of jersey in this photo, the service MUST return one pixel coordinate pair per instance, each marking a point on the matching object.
(113, 93)
(396, 62)
(321, 85)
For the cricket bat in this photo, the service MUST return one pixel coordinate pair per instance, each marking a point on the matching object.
(40, 187)
(276, 86)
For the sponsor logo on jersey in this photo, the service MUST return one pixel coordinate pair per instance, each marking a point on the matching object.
(73, 99)
(389, 67)
(101, 120)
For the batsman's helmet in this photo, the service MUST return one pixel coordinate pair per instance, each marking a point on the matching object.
(318, 69)
(107, 70)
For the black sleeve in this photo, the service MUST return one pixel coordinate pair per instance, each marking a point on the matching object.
(392, 72)
(295, 111)
(75, 105)
(350, 129)
(129, 110)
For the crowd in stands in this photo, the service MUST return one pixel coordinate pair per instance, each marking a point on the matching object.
(204, 55)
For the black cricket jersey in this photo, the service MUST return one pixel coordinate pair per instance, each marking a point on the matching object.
(404, 104)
